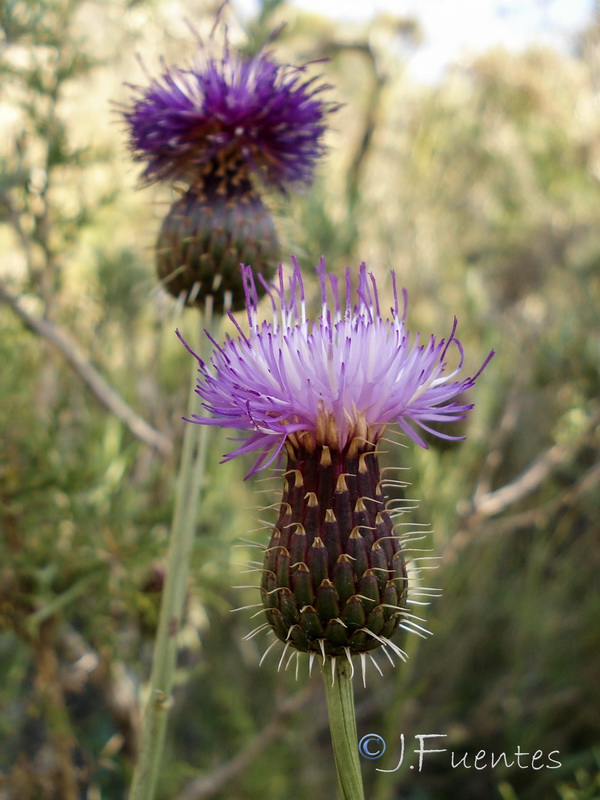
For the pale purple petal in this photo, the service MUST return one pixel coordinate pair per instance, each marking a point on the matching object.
(351, 365)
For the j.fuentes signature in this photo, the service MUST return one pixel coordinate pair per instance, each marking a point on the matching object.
(372, 746)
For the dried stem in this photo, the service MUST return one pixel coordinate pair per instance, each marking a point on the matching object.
(89, 375)
(535, 516)
(493, 503)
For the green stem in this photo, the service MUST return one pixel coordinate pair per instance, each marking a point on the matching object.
(189, 483)
(342, 724)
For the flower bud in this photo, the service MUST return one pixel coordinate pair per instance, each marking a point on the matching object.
(344, 590)
(213, 228)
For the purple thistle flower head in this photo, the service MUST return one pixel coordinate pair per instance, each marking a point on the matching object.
(333, 382)
(235, 113)
(334, 580)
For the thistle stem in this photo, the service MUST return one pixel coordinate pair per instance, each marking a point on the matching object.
(342, 724)
(189, 484)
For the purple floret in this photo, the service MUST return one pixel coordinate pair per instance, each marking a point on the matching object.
(249, 113)
(347, 374)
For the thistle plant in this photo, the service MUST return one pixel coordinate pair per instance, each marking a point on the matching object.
(214, 130)
(321, 394)
(222, 128)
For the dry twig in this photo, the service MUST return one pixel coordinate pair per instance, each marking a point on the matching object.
(589, 482)
(89, 375)
(492, 503)
(208, 784)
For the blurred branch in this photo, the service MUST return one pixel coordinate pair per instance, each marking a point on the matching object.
(568, 498)
(89, 375)
(214, 781)
(493, 503)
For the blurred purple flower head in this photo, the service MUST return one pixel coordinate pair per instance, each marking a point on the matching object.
(232, 114)
(338, 380)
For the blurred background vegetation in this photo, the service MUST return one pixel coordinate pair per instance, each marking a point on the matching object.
(483, 192)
